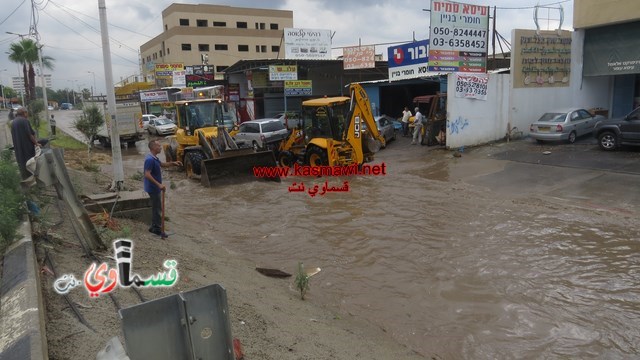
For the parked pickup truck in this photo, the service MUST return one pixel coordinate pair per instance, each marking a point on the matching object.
(128, 116)
(612, 133)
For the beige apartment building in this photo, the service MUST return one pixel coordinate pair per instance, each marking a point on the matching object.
(215, 35)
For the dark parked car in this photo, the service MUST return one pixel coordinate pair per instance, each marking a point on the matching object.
(612, 133)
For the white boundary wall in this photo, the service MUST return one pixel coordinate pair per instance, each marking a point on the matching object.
(475, 122)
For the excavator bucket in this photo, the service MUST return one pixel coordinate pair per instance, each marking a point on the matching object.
(228, 164)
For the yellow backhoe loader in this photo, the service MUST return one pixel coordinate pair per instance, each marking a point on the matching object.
(204, 146)
(333, 131)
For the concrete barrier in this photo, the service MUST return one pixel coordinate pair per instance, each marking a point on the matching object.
(22, 324)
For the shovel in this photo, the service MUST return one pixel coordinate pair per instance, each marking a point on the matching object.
(163, 234)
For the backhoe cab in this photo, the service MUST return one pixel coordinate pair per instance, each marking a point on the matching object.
(331, 132)
(203, 144)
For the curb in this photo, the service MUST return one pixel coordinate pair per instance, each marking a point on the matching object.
(22, 318)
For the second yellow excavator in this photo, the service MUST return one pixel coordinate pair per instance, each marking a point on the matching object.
(333, 131)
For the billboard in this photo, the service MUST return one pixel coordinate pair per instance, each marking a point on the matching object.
(307, 44)
(359, 57)
(459, 37)
(408, 61)
(541, 59)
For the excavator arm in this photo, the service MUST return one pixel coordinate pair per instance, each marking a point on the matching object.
(361, 113)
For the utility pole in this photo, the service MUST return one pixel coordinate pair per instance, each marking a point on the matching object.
(116, 153)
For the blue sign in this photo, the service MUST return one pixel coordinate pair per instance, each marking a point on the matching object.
(413, 53)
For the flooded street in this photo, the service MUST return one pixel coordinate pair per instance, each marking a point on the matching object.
(469, 257)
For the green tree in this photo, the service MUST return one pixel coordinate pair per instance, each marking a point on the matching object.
(25, 53)
(88, 123)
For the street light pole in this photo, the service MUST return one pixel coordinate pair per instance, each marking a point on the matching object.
(4, 100)
(94, 83)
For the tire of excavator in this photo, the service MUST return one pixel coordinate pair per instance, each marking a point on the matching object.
(316, 153)
(193, 162)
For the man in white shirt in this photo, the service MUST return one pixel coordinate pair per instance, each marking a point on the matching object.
(406, 114)
(417, 130)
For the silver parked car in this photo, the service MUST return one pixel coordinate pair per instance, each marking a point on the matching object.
(385, 127)
(565, 124)
(261, 133)
(161, 126)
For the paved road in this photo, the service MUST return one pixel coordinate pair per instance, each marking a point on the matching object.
(64, 121)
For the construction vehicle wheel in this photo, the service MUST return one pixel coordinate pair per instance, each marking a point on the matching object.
(285, 159)
(317, 157)
(193, 162)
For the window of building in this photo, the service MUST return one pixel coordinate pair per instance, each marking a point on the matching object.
(259, 26)
(166, 27)
(201, 23)
(275, 48)
(263, 48)
(203, 47)
(224, 47)
(241, 24)
(221, 68)
(168, 52)
(244, 48)
(184, 22)
(186, 47)
(219, 24)
(273, 26)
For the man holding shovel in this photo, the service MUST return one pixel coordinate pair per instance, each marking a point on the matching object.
(154, 187)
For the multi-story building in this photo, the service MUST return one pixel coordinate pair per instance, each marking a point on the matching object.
(215, 35)
(17, 82)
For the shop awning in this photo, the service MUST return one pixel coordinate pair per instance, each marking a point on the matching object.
(612, 50)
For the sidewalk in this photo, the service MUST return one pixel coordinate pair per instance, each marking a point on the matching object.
(22, 314)
(22, 324)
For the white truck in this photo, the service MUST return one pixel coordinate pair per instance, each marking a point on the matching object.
(128, 115)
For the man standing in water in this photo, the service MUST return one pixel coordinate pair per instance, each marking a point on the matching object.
(153, 185)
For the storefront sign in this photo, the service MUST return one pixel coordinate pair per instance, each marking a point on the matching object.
(283, 72)
(149, 96)
(473, 86)
(459, 37)
(408, 61)
(359, 57)
(307, 44)
(298, 88)
(541, 59)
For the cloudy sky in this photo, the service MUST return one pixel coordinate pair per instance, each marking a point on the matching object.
(70, 29)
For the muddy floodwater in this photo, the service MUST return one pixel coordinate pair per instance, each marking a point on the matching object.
(441, 256)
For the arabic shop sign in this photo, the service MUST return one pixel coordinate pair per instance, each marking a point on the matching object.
(298, 88)
(459, 37)
(102, 279)
(541, 59)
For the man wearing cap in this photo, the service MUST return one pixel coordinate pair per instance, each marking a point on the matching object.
(417, 130)
(24, 141)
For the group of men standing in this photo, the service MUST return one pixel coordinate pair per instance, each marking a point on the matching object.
(417, 124)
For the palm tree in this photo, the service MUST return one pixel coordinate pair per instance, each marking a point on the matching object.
(25, 52)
